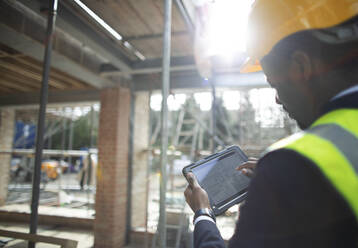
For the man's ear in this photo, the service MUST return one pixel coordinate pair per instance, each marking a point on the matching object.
(304, 63)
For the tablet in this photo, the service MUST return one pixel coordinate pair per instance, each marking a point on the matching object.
(217, 174)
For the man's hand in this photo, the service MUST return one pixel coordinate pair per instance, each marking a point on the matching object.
(248, 167)
(195, 195)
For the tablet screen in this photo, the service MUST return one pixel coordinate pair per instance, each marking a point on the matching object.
(219, 177)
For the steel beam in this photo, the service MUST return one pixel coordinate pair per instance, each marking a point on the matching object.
(148, 66)
(153, 36)
(54, 97)
(155, 63)
(149, 70)
(185, 16)
(230, 80)
(80, 30)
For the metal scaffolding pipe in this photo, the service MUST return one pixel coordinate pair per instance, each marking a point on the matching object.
(41, 121)
(213, 116)
(164, 120)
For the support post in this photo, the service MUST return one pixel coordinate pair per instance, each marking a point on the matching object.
(41, 121)
(213, 116)
(70, 137)
(7, 128)
(164, 121)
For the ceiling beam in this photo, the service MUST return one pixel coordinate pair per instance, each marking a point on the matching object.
(152, 36)
(149, 66)
(69, 22)
(149, 70)
(184, 13)
(54, 97)
(34, 49)
(77, 28)
(231, 80)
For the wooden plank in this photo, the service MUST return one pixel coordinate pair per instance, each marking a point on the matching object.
(54, 74)
(5, 90)
(64, 243)
(148, 14)
(30, 74)
(177, 21)
(35, 67)
(15, 85)
(19, 79)
(118, 16)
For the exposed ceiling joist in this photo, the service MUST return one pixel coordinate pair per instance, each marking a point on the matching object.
(73, 25)
(184, 13)
(34, 49)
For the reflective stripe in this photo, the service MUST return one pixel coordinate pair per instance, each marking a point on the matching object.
(331, 143)
(332, 163)
(341, 138)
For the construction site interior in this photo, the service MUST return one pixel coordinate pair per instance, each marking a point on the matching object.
(100, 168)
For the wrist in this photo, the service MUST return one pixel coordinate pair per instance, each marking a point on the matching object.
(204, 212)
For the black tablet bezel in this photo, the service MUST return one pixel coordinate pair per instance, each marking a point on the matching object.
(234, 199)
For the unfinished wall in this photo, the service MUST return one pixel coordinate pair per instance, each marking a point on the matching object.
(140, 160)
(7, 123)
(112, 173)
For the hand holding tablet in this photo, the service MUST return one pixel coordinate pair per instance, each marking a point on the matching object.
(217, 176)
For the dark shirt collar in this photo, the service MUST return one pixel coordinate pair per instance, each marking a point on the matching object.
(349, 100)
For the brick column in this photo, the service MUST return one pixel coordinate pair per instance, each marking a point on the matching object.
(140, 160)
(7, 123)
(112, 172)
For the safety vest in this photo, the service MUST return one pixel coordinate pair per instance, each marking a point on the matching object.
(332, 144)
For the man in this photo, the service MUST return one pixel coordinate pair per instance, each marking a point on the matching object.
(305, 189)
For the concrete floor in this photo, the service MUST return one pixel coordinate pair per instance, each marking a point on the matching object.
(84, 237)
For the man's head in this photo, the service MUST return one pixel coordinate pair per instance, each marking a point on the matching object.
(305, 49)
(307, 71)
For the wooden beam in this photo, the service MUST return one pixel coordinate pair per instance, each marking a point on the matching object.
(34, 49)
(17, 78)
(54, 74)
(15, 85)
(28, 73)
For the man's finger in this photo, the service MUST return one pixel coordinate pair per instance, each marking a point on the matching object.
(192, 180)
(248, 164)
(187, 191)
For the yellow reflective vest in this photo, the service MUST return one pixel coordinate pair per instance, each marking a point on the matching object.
(332, 144)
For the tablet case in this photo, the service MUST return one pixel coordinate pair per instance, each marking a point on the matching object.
(222, 206)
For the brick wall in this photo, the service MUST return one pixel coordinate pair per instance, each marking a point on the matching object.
(140, 160)
(111, 195)
(7, 123)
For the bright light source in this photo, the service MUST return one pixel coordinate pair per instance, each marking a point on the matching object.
(204, 100)
(231, 100)
(99, 20)
(156, 102)
(174, 102)
(227, 27)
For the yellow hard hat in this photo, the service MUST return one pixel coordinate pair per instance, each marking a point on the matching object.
(272, 20)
